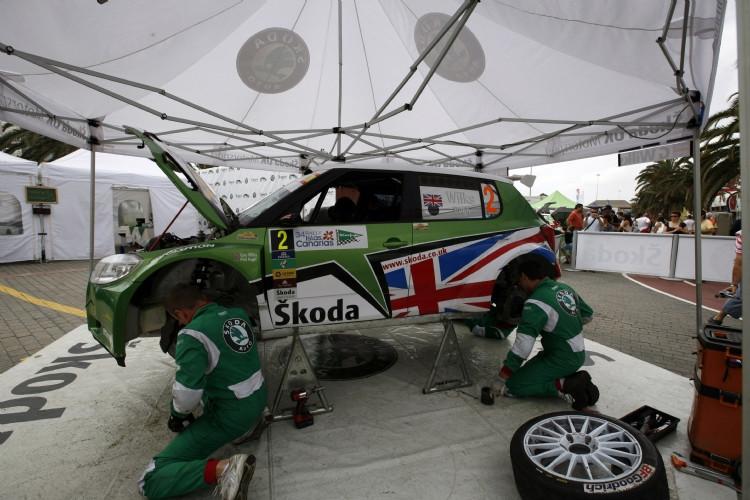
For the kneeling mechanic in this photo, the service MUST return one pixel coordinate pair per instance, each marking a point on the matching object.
(554, 312)
(217, 365)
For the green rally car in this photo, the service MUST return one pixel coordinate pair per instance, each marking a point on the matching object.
(337, 246)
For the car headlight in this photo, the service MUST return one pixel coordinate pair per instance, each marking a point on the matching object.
(114, 267)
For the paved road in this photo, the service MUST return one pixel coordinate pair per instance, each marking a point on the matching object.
(41, 302)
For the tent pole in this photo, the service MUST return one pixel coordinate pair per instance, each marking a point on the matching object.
(743, 72)
(341, 79)
(92, 210)
(698, 236)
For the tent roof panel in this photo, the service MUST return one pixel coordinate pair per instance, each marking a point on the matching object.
(524, 82)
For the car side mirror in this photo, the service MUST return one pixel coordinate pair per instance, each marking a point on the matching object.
(292, 219)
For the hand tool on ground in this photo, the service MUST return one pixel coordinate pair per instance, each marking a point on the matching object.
(703, 472)
(302, 417)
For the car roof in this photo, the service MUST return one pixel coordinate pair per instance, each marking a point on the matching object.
(408, 167)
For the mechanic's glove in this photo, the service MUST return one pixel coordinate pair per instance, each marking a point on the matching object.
(178, 424)
(497, 386)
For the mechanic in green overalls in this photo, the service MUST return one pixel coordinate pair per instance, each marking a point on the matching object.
(555, 312)
(217, 365)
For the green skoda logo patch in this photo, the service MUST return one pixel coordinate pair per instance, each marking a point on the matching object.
(238, 334)
(567, 301)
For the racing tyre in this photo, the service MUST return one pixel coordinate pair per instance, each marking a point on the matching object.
(576, 454)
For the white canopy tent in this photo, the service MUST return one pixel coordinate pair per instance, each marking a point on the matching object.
(118, 179)
(19, 227)
(524, 82)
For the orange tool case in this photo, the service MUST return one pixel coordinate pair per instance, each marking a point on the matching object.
(715, 424)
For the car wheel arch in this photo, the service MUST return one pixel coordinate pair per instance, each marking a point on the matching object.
(220, 281)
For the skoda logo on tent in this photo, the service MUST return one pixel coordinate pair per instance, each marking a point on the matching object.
(273, 61)
(238, 334)
(463, 63)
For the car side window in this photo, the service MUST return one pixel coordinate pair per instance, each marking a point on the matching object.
(360, 197)
(447, 197)
(490, 200)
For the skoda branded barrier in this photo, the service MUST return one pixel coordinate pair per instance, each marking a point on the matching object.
(664, 255)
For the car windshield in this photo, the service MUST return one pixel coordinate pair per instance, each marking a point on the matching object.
(247, 216)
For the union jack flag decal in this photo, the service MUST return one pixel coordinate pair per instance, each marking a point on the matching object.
(459, 279)
(432, 200)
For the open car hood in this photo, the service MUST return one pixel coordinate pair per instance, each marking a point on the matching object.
(198, 193)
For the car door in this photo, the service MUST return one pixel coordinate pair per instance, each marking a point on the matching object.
(327, 268)
(457, 245)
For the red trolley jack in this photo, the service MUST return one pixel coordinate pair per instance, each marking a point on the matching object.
(302, 417)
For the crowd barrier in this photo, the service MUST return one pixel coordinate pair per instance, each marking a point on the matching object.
(663, 255)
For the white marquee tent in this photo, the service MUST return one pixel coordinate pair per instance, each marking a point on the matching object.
(450, 83)
(19, 228)
(118, 179)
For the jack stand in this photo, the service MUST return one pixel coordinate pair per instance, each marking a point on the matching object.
(448, 355)
(299, 373)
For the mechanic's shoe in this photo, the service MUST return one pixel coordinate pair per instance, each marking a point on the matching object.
(576, 386)
(478, 331)
(507, 393)
(237, 475)
(256, 430)
(714, 321)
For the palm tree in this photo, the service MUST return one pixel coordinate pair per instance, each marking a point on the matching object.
(668, 184)
(31, 146)
(664, 186)
(720, 151)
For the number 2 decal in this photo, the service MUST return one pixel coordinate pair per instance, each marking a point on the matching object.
(282, 241)
(490, 193)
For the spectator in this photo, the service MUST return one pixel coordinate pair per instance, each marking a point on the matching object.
(626, 224)
(575, 218)
(736, 226)
(607, 226)
(690, 223)
(643, 223)
(593, 222)
(567, 248)
(707, 226)
(733, 306)
(614, 219)
(658, 224)
(710, 216)
(675, 225)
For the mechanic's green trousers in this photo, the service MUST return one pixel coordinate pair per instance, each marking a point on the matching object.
(178, 469)
(538, 375)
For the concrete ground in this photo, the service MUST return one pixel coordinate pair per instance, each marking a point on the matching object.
(39, 303)
(88, 414)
